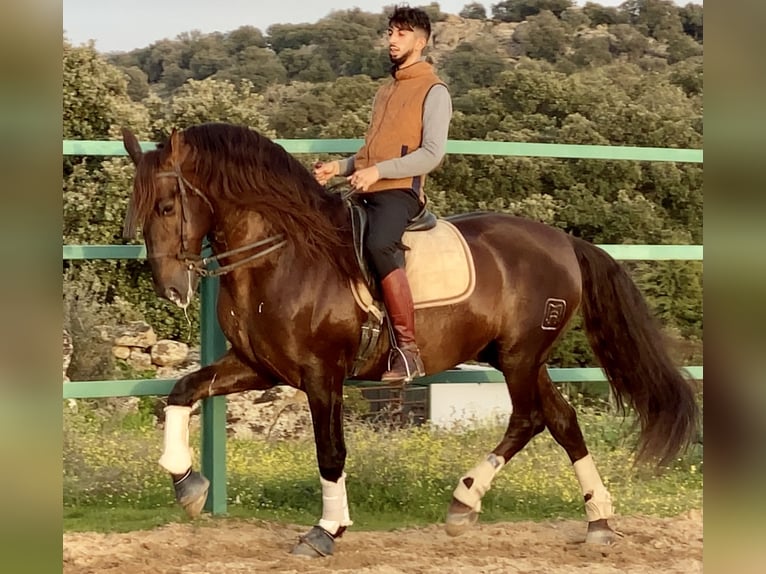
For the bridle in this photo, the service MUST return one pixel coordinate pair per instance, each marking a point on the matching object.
(198, 264)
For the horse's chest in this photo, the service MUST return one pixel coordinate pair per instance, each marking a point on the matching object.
(254, 333)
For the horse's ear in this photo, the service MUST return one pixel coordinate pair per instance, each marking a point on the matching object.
(178, 148)
(131, 145)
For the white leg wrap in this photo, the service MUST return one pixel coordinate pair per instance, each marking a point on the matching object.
(482, 475)
(334, 505)
(599, 505)
(176, 457)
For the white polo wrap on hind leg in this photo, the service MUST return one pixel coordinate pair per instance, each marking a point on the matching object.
(334, 505)
(482, 475)
(599, 505)
(176, 457)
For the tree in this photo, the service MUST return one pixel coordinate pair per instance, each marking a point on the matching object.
(468, 67)
(600, 15)
(687, 75)
(95, 97)
(138, 83)
(682, 47)
(283, 36)
(691, 20)
(434, 11)
(173, 77)
(592, 51)
(161, 55)
(474, 11)
(519, 10)
(628, 40)
(346, 46)
(576, 19)
(208, 59)
(659, 19)
(242, 38)
(543, 36)
(260, 66)
(209, 100)
(306, 64)
(375, 22)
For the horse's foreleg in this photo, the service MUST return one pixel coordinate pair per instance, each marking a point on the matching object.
(325, 402)
(225, 376)
(525, 421)
(561, 420)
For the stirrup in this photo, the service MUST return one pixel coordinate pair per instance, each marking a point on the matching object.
(419, 370)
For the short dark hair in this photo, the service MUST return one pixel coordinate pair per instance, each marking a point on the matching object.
(410, 18)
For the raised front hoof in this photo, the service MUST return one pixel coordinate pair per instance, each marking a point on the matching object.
(460, 518)
(191, 493)
(318, 543)
(599, 532)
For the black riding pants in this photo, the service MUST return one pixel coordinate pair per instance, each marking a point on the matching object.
(388, 213)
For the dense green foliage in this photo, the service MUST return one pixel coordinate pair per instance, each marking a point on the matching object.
(538, 71)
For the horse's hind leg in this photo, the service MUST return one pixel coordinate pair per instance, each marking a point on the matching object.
(561, 420)
(525, 422)
(225, 376)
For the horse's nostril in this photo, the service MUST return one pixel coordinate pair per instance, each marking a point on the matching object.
(173, 294)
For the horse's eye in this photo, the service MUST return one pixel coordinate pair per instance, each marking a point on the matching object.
(167, 207)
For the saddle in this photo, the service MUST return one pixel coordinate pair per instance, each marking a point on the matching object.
(423, 221)
(436, 258)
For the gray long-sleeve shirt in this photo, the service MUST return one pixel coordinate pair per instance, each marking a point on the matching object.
(437, 114)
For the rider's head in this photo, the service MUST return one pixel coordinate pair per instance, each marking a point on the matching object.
(408, 32)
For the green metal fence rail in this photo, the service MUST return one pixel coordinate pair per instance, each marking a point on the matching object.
(458, 147)
(213, 343)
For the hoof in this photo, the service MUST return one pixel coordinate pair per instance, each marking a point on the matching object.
(191, 493)
(599, 532)
(318, 543)
(459, 518)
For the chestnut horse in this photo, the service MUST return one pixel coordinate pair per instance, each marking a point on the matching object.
(285, 246)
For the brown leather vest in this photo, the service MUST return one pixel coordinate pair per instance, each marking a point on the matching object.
(396, 128)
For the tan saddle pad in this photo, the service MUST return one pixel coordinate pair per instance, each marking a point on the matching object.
(439, 267)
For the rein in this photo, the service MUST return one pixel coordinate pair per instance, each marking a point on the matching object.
(198, 264)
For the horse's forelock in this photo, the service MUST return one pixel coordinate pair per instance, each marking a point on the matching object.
(144, 193)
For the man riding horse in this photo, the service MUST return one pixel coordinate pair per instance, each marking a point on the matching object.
(405, 141)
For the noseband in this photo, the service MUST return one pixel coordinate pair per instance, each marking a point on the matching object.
(198, 264)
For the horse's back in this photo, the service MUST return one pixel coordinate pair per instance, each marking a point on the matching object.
(521, 264)
(516, 236)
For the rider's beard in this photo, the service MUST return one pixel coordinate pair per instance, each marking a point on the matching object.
(398, 61)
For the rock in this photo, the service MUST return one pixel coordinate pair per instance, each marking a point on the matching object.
(106, 333)
(176, 372)
(167, 353)
(121, 352)
(277, 413)
(140, 360)
(136, 334)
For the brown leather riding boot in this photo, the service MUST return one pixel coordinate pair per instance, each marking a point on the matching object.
(405, 361)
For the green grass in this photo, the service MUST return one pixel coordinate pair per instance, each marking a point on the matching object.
(396, 478)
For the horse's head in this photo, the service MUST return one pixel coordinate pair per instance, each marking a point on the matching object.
(173, 213)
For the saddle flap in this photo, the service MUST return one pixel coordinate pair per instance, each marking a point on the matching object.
(439, 267)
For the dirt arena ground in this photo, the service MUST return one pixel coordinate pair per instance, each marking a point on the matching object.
(654, 545)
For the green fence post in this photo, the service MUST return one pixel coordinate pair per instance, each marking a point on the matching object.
(213, 345)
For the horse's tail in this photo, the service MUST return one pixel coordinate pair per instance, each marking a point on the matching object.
(628, 344)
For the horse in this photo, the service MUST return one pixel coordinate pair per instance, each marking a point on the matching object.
(284, 244)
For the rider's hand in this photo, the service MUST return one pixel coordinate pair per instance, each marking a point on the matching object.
(325, 171)
(364, 178)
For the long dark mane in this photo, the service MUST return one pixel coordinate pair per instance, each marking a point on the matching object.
(237, 164)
